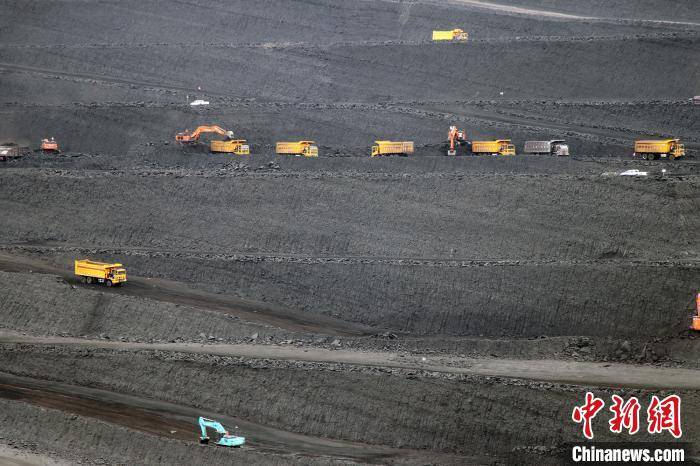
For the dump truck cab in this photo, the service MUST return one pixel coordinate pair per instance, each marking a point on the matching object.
(117, 275)
(507, 147)
(310, 149)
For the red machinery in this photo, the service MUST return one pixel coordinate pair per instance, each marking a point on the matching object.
(456, 138)
(49, 145)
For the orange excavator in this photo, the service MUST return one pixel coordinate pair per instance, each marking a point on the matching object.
(456, 138)
(228, 145)
(49, 145)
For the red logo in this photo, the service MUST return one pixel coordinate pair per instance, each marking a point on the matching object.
(626, 415)
(665, 415)
(662, 415)
(587, 412)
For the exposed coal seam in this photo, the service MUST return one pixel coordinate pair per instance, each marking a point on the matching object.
(352, 260)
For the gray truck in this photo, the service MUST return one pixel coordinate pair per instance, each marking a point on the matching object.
(10, 150)
(554, 147)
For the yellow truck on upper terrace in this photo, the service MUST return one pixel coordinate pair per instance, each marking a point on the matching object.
(305, 148)
(453, 34)
(100, 272)
(495, 147)
(663, 148)
(392, 148)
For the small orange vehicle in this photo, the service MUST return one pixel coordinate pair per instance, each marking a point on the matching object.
(49, 145)
(695, 325)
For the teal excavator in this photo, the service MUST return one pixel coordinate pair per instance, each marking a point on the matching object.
(225, 439)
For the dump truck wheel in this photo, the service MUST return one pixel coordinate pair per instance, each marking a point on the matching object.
(108, 282)
(83, 280)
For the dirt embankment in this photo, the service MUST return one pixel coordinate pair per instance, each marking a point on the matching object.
(43, 303)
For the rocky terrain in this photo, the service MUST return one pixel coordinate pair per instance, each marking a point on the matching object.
(344, 309)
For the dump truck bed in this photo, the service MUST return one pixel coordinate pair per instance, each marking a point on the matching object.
(394, 147)
(655, 146)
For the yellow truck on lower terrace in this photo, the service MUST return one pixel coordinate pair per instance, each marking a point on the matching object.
(100, 272)
(305, 148)
(662, 148)
(495, 147)
(392, 148)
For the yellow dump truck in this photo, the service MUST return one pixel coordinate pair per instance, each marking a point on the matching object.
(392, 148)
(454, 34)
(305, 148)
(496, 147)
(230, 146)
(654, 149)
(100, 272)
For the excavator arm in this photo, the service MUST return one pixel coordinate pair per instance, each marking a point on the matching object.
(190, 137)
(455, 138)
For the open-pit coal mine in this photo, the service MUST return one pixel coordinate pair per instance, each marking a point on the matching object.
(405, 281)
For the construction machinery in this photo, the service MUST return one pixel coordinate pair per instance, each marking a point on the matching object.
(49, 145)
(100, 272)
(456, 138)
(229, 145)
(305, 148)
(225, 439)
(495, 147)
(391, 148)
(454, 34)
(695, 324)
(553, 147)
(655, 149)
